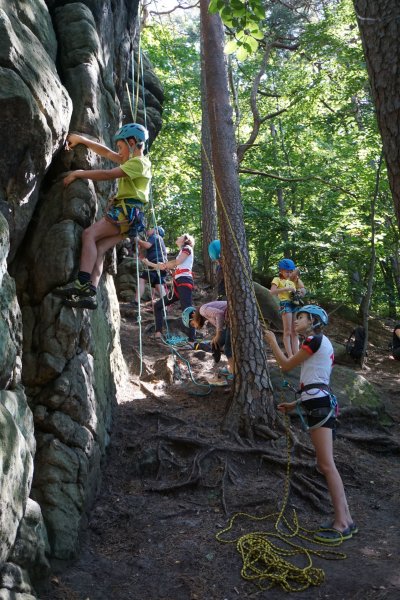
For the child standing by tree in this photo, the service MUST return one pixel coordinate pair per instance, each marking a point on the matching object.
(285, 286)
(125, 216)
(316, 359)
(183, 281)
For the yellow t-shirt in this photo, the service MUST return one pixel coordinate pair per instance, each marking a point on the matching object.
(136, 184)
(284, 284)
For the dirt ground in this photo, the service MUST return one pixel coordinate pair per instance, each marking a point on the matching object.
(172, 480)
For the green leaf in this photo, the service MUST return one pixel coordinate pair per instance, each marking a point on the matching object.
(252, 43)
(258, 35)
(226, 15)
(231, 47)
(215, 6)
(239, 12)
(242, 53)
(259, 12)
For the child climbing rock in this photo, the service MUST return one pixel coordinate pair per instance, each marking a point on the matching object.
(124, 217)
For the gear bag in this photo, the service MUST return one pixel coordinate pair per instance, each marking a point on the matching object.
(354, 347)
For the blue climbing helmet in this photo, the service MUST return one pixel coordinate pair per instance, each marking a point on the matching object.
(319, 316)
(214, 250)
(159, 230)
(187, 315)
(286, 264)
(130, 130)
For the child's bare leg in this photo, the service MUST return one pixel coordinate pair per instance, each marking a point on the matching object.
(287, 327)
(140, 289)
(90, 238)
(102, 246)
(160, 289)
(322, 440)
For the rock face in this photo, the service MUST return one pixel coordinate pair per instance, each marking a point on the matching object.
(63, 67)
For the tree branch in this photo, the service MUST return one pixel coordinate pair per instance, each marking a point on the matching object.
(298, 179)
(168, 12)
(254, 108)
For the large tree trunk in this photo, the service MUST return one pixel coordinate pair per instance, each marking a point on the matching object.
(208, 202)
(379, 25)
(252, 399)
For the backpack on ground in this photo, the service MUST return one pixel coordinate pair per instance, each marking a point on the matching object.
(355, 347)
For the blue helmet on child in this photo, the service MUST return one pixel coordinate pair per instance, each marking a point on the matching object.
(319, 316)
(286, 264)
(130, 130)
(187, 315)
(159, 230)
(214, 250)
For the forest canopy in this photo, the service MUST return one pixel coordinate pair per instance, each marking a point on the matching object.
(312, 184)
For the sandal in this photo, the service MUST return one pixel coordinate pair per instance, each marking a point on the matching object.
(353, 527)
(333, 536)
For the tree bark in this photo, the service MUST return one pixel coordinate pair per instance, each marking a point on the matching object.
(252, 397)
(208, 201)
(379, 25)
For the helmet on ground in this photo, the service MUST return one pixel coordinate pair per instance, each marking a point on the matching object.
(187, 315)
(159, 230)
(320, 318)
(286, 264)
(130, 130)
(214, 250)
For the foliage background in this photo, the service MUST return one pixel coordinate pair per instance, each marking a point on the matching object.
(319, 156)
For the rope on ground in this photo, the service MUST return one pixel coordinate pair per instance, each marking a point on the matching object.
(265, 555)
(174, 342)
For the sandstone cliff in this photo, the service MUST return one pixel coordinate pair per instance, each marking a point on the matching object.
(63, 66)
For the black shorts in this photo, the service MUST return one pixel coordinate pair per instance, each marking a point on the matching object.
(155, 277)
(323, 402)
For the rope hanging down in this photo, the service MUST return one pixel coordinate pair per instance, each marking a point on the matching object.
(171, 341)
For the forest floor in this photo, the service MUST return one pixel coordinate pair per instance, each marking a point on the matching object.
(172, 480)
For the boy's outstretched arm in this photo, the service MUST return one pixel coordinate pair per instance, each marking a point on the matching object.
(74, 139)
(94, 175)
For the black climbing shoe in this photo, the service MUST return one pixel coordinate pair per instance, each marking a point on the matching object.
(75, 288)
(89, 302)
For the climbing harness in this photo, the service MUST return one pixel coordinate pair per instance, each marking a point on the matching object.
(324, 412)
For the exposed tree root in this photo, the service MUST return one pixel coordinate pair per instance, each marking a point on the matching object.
(309, 490)
(196, 473)
(193, 479)
(382, 444)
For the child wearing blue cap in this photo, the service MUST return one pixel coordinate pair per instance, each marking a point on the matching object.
(123, 218)
(285, 286)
